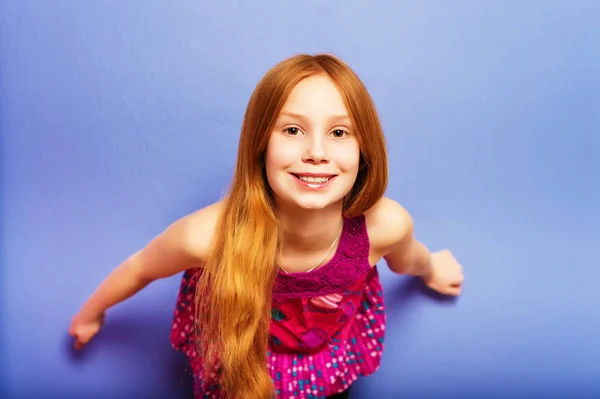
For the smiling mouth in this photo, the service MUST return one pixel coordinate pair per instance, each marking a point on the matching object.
(314, 179)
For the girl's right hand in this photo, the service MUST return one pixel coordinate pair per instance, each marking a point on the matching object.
(83, 330)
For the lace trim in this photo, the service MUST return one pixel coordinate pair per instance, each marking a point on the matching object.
(350, 262)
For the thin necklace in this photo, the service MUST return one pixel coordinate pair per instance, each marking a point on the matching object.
(324, 256)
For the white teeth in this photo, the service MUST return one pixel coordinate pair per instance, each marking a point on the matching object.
(309, 179)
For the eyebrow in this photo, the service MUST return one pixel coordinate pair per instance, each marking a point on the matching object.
(304, 118)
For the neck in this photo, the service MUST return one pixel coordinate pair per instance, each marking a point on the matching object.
(310, 230)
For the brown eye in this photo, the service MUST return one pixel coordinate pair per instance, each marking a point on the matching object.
(292, 130)
(339, 133)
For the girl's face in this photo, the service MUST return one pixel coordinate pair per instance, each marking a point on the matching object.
(313, 156)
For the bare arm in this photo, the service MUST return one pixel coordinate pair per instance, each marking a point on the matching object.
(182, 245)
(392, 230)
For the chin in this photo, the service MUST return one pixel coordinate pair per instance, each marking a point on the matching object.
(314, 204)
(292, 197)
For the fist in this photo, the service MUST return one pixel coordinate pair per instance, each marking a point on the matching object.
(446, 276)
(83, 330)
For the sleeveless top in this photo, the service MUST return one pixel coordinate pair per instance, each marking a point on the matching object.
(327, 325)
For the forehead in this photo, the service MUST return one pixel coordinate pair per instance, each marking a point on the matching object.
(316, 97)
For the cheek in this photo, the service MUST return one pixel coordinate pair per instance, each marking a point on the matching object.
(349, 158)
(270, 165)
(280, 154)
(276, 160)
(273, 160)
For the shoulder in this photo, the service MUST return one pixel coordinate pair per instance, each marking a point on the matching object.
(196, 230)
(185, 243)
(388, 223)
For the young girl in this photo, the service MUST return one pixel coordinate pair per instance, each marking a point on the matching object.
(280, 294)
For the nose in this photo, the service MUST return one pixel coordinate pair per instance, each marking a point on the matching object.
(316, 150)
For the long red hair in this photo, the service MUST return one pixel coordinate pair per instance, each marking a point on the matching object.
(234, 291)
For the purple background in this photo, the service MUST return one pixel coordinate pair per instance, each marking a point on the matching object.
(119, 117)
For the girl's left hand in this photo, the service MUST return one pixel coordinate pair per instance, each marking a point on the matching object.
(446, 274)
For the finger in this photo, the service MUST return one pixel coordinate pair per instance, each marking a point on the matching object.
(77, 345)
(458, 281)
(81, 342)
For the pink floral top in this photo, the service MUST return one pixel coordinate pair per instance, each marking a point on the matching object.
(327, 326)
